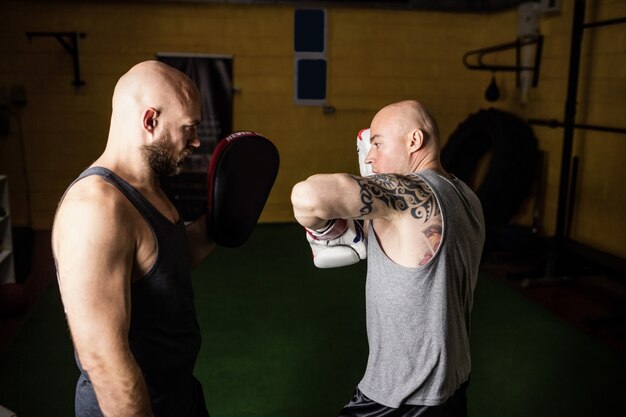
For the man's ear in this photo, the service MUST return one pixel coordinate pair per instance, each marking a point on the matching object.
(150, 119)
(417, 140)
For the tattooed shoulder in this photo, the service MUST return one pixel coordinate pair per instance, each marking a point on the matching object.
(399, 193)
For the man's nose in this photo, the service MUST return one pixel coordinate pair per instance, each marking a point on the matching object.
(194, 143)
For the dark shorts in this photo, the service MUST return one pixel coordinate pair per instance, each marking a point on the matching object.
(86, 404)
(199, 409)
(361, 406)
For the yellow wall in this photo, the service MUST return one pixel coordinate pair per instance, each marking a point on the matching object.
(375, 57)
(600, 208)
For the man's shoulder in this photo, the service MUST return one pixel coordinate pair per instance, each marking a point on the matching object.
(94, 210)
(93, 191)
(93, 198)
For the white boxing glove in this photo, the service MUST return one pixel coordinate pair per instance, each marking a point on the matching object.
(362, 149)
(340, 243)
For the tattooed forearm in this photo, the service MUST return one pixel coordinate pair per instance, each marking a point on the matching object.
(399, 193)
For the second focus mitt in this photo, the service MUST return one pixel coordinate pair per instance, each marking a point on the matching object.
(362, 149)
(241, 173)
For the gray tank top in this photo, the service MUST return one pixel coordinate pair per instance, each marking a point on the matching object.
(418, 319)
(164, 334)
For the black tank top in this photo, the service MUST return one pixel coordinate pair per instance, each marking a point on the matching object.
(164, 334)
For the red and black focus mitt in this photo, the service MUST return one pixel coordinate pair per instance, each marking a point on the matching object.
(241, 173)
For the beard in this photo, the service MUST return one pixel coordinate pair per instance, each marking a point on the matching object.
(162, 161)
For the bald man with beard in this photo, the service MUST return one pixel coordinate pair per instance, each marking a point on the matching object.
(425, 231)
(124, 256)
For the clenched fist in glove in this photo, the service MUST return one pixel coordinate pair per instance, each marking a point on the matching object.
(340, 242)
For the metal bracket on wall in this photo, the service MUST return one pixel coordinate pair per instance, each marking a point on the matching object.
(517, 68)
(69, 40)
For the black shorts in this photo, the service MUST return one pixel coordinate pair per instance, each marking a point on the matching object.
(361, 406)
(199, 409)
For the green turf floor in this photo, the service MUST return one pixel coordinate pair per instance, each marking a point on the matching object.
(283, 339)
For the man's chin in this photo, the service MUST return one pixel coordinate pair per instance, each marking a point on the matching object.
(166, 173)
(178, 168)
(172, 172)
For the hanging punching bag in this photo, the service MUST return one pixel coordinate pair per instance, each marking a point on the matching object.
(493, 92)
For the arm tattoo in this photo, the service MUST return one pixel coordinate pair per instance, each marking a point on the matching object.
(433, 237)
(433, 231)
(399, 193)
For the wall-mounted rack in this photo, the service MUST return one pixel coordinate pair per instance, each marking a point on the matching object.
(520, 42)
(69, 40)
(554, 123)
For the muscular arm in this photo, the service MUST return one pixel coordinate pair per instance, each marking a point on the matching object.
(326, 196)
(94, 251)
(329, 196)
(200, 244)
(406, 206)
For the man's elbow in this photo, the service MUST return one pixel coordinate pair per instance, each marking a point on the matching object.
(92, 362)
(98, 350)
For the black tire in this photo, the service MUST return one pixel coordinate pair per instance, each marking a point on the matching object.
(513, 165)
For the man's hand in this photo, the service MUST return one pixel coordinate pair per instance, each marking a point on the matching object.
(341, 242)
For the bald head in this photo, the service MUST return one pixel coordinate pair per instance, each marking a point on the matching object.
(406, 116)
(156, 113)
(404, 138)
(152, 84)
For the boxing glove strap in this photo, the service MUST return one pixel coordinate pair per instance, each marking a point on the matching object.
(331, 230)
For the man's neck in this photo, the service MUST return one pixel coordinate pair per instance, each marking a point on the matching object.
(431, 163)
(132, 168)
